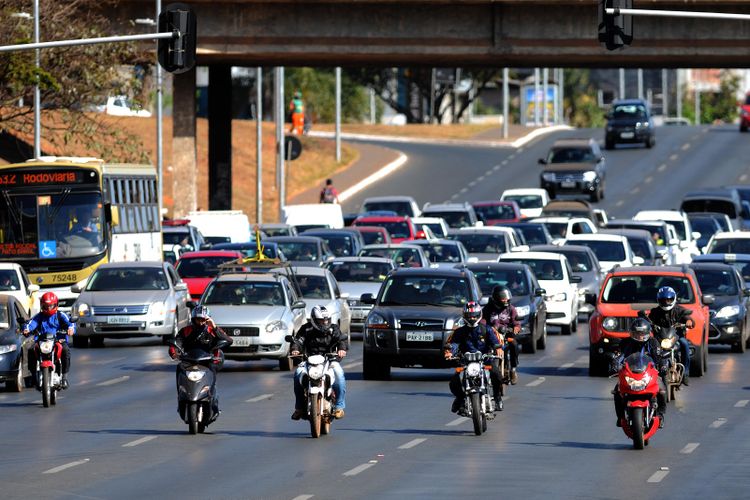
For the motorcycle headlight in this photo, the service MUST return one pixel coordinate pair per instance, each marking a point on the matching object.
(83, 310)
(195, 375)
(46, 346)
(523, 311)
(609, 324)
(375, 320)
(589, 176)
(158, 309)
(636, 384)
(549, 177)
(668, 343)
(315, 372)
(473, 370)
(8, 348)
(728, 311)
(274, 326)
(557, 297)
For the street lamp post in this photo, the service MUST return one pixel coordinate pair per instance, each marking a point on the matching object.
(37, 96)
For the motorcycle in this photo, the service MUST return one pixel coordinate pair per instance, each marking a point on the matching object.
(317, 382)
(667, 338)
(638, 386)
(479, 405)
(48, 350)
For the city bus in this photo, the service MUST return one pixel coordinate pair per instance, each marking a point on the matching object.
(62, 217)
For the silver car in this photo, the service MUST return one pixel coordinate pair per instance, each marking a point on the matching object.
(319, 288)
(130, 299)
(258, 311)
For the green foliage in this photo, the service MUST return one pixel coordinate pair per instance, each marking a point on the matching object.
(318, 87)
(718, 106)
(581, 107)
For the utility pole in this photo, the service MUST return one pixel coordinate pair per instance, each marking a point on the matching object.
(37, 96)
(640, 83)
(338, 114)
(373, 116)
(433, 77)
(536, 97)
(697, 105)
(622, 84)
(159, 124)
(259, 144)
(664, 94)
(280, 174)
(678, 97)
(561, 90)
(545, 87)
(506, 114)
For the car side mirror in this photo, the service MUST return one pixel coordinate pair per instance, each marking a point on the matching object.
(674, 241)
(746, 292)
(542, 161)
(479, 223)
(708, 299)
(577, 279)
(344, 295)
(664, 257)
(638, 261)
(206, 246)
(298, 304)
(683, 244)
(540, 292)
(289, 338)
(472, 260)
(696, 235)
(33, 288)
(367, 298)
(192, 304)
(590, 299)
(75, 288)
(181, 287)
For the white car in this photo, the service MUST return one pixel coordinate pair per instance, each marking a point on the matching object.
(172, 253)
(319, 288)
(402, 205)
(15, 282)
(486, 243)
(531, 201)
(611, 249)
(562, 227)
(122, 106)
(553, 272)
(729, 242)
(436, 224)
(678, 219)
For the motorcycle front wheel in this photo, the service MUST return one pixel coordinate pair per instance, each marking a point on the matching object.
(46, 387)
(315, 415)
(192, 412)
(325, 425)
(476, 414)
(637, 427)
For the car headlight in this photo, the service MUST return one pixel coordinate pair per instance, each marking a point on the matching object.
(549, 177)
(668, 343)
(375, 320)
(158, 309)
(46, 346)
(638, 385)
(557, 297)
(523, 311)
(83, 310)
(8, 348)
(589, 176)
(728, 311)
(473, 370)
(352, 302)
(315, 372)
(642, 125)
(609, 324)
(274, 326)
(195, 375)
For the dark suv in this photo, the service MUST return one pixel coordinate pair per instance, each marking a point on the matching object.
(415, 312)
(574, 166)
(629, 121)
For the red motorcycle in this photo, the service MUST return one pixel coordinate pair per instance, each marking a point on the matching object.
(638, 386)
(48, 367)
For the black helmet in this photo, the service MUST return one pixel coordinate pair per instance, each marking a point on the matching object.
(472, 313)
(501, 295)
(640, 330)
(320, 318)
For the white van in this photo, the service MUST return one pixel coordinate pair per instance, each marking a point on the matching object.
(228, 223)
(315, 215)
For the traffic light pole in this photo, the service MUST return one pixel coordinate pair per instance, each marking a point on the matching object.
(677, 13)
(88, 41)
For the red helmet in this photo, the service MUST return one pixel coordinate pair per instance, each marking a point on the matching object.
(49, 304)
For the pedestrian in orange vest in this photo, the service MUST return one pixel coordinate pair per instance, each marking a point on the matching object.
(297, 108)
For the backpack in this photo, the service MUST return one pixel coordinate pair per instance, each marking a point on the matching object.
(327, 196)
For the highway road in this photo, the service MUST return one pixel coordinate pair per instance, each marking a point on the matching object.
(116, 433)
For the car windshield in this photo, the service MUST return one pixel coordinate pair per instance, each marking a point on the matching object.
(543, 269)
(720, 206)
(373, 237)
(437, 229)
(679, 227)
(359, 271)
(454, 219)
(4, 317)
(425, 290)
(612, 251)
(571, 155)
(657, 232)
(405, 257)
(402, 208)
(248, 249)
(437, 252)
(534, 234)
(215, 240)
(9, 280)
(706, 226)
(641, 248)
(299, 250)
(277, 231)
(201, 267)
(169, 256)
(580, 262)
(514, 279)
(730, 245)
(642, 289)
(132, 278)
(176, 237)
(342, 245)
(482, 242)
(395, 229)
(525, 200)
(717, 281)
(629, 112)
(242, 293)
(314, 287)
(491, 212)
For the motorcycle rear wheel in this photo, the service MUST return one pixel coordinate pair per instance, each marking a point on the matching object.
(315, 416)
(476, 414)
(46, 388)
(192, 413)
(637, 419)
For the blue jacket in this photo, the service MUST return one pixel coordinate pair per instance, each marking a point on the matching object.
(480, 338)
(43, 323)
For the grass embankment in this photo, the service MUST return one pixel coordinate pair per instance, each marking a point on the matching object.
(459, 131)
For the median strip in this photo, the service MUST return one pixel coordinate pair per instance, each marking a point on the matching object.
(60, 468)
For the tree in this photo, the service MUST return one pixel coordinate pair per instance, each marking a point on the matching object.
(318, 87)
(581, 107)
(715, 106)
(70, 79)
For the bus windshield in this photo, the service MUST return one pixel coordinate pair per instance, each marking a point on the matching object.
(64, 224)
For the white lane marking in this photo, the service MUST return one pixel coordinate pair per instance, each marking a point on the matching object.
(481, 178)
(520, 150)
(105, 361)
(144, 439)
(351, 365)
(114, 381)
(3, 396)
(582, 359)
(412, 443)
(741, 403)
(83, 382)
(635, 190)
(55, 470)
(620, 203)
(464, 190)
(648, 179)
(472, 183)
(689, 448)
(454, 196)
(392, 166)
(657, 476)
(259, 398)
(303, 497)
(743, 177)
(566, 366)
(539, 360)
(458, 421)
(504, 162)
(662, 167)
(496, 167)
(685, 146)
(673, 157)
(718, 423)
(536, 382)
(519, 143)
(359, 468)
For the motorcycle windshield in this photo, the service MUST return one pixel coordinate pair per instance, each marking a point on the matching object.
(638, 362)
(196, 356)
(665, 333)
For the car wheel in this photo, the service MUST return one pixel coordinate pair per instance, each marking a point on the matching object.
(96, 341)
(697, 367)
(743, 128)
(166, 339)
(542, 342)
(739, 346)
(530, 346)
(18, 383)
(566, 329)
(609, 144)
(80, 342)
(574, 324)
(597, 365)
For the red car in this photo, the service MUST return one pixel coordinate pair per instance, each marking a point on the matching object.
(400, 228)
(745, 114)
(497, 212)
(374, 235)
(198, 269)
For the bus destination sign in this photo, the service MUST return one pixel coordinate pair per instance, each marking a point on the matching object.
(45, 177)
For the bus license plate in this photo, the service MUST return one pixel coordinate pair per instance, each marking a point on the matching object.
(118, 320)
(419, 337)
(240, 341)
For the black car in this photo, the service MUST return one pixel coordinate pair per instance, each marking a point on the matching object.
(534, 233)
(728, 312)
(14, 347)
(629, 121)
(739, 261)
(250, 249)
(343, 242)
(414, 313)
(574, 166)
(527, 297)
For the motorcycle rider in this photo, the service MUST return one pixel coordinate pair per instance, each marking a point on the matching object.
(319, 336)
(474, 336)
(501, 315)
(642, 341)
(667, 314)
(51, 320)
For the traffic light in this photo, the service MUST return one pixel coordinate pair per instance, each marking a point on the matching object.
(615, 31)
(177, 55)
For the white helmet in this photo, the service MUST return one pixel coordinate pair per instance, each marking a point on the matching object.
(320, 318)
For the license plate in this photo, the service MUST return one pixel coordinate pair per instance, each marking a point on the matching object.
(627, 135)
(419, 337)
(358, 315)
(241, 341)
(568, 184)
(118, 320)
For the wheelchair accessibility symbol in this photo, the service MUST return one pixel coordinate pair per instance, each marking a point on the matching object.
(47, 249)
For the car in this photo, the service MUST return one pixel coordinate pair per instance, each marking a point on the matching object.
(318, 287)
(120, 105)
(571, 209)
(497, 212)
(628, 290)
(629, 121)
(436, 224)
(527, 297)
(721, 219)
(222, 226)
(313, 215)
(343, 242)
(739, 261)
(456, 215)
(403, 255)
(663, 234)
(530, 200)
(412, 316)
(180, 232)
(443, 253)
(534, 233)
(130, 299)
(250, 249)
(561, 227)
(14, 281)
(729, 242)
(723, 200)
(373, 235)
(729, 311)
(258, 310)
(745, 113)
(574, 166)
(583, 263)
(197, 269)
(484, 243)
(612, 250)
(553, 272)
(640, 242)
(14, 347)
(357, 276)
(688, 246)
(272, 229)
(744, 191)
(399, 227)
(706, 225)
(405, 206)
(213, 240)
(303, 250)
(601, 218)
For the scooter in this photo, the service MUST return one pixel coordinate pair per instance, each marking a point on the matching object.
(479, 404)
(638, 386)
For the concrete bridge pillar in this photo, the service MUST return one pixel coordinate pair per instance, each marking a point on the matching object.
(184, 155)
(219, 137)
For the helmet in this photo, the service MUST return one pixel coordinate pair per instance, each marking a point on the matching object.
(501, 295)
(472, 313)
(200, 315)
(666, 297)
(49, 304)
(640, 330)
(320, 318)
